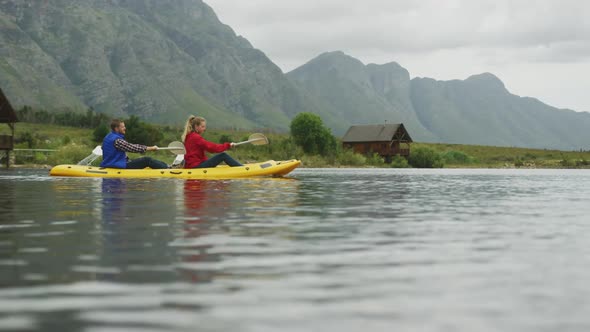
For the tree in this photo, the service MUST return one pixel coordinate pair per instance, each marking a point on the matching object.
(141, 133)
(308, 132)
(99, 133)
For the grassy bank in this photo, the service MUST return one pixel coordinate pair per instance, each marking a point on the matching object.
(479, 156)
(73, 144)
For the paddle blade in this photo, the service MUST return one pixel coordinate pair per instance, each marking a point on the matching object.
(258, 139)
(176, 147)
(97, 152)
(178, 161)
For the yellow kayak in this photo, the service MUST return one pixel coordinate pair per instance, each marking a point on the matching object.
(267, 168)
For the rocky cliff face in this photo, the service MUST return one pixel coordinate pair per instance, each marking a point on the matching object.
(160, 60)
(478, 110)
(352, 93)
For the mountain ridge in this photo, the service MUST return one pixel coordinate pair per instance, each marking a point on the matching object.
(476, 110)
(164, 60)
(159, 60)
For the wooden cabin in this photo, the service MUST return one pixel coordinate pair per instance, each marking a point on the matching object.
(387, 140)
(8, 116)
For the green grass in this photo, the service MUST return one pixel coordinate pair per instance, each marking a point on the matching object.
(73, 144)
(498, 157)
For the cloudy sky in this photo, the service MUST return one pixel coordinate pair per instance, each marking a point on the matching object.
(537, 48)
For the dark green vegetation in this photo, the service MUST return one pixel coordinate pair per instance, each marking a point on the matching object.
(479, 156)
(89, 119)
(163, 60)
(74, 143)
(308, 132)
(425, 158)
(100, 122)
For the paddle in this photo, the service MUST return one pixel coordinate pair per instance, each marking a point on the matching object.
(255, 139)
(178, 148)
(175, 147)
(97, 152)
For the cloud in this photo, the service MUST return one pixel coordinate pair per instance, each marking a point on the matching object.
(538, 48)
(297, 28)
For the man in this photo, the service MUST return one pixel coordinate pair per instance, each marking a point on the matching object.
(114, 147)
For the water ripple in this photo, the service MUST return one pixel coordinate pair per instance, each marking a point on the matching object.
(328, 249)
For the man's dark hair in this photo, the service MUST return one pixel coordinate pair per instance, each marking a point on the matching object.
(115, 123)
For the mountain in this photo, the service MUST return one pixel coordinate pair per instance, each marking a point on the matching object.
(162, 60)
(158, 59)
(352, 93)
(478, 110)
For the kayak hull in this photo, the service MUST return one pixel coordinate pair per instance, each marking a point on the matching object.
(267, 168)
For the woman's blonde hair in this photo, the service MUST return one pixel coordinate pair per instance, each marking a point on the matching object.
(191, 123)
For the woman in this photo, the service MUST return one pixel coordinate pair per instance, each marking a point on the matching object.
(196, 146)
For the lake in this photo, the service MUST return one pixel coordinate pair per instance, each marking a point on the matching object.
(321, 250)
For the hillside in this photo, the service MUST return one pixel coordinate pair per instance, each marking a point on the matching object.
(478, 110)
(163, 60)
(352, 93)
(160, 60)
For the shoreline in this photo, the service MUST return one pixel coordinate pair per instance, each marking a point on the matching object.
(48, 167)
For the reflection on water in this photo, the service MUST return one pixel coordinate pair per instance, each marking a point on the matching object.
(111, 206)
(205, 202)
(427, 250)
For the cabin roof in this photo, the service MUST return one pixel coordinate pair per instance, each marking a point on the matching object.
(374, 133)
(7, 114)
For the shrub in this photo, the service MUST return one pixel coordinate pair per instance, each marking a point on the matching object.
(69, 154)
(99, 133)
(399, 162)
(425, 158)
(375, 160)
(349, 158)
(28, 138)
(284, 150)
(225, 138)
(314, 161)
(565, 162)
(141, 133)
(456, 157)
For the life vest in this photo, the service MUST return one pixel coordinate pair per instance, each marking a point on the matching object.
(112, 157)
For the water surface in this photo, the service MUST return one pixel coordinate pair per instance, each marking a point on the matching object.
(322, 250)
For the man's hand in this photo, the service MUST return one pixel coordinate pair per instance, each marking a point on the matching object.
(152, 148)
